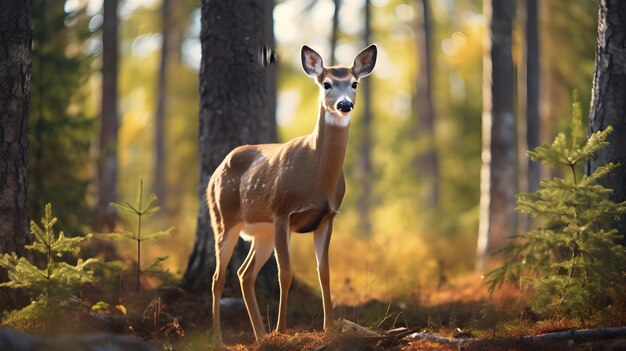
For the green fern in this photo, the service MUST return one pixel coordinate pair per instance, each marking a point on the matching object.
(53, 285)
(573, 261)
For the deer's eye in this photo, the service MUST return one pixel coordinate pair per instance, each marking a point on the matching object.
(326, 85)
(354, 85)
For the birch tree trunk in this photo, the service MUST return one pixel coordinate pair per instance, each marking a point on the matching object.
(498, 177)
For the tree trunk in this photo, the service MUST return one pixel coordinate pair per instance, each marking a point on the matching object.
(233, 111)
(334, 33)
(533, 86)
(528, 95)
(109, 124)
(365, 147)
(498, 173)
(608, 100)
(271, 70)
(15, 70)
(158, 176)
(426, 163)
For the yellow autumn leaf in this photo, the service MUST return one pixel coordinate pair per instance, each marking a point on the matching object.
(121, 308)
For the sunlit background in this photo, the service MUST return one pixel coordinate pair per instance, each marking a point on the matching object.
(412, 247)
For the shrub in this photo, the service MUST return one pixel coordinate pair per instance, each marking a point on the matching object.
(51, 286)
(572, 261)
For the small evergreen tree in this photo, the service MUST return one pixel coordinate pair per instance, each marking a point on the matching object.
(51, 286)
(572, 260)
(140, 210)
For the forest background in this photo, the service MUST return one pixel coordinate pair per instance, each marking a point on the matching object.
(406, 239)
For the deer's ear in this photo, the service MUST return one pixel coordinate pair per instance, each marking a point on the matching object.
(311, 62)
(365, 61)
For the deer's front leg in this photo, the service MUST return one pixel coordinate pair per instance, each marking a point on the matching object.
(281, 227)
(321, 239)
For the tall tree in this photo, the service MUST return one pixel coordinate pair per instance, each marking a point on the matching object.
(334, 33)
(109, 123)
(498, 174)
(426, 163)
(528, 96)
(159, 118)
(15, 70)
(365, 147)
(233, 111)
(271, 70)
(533, 89)
(608, 100)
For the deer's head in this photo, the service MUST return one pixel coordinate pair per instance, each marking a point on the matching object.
(338, 84)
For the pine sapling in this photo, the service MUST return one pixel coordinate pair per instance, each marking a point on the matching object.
(52, 285)
(139, 210)
(572, 260)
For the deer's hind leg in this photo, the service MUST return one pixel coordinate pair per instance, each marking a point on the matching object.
(226, 238)
(282, 237)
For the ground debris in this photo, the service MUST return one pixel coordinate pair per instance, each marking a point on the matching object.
(16, 341)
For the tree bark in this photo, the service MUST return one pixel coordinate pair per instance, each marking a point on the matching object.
(365, 147)
(271, 70)
(498, 172)
(334, 33)
(608, 97)
(233, 111)
(426, 164)
(159, 117)
(529, 126)
(109, 123)
(533, 89)
(15, 72)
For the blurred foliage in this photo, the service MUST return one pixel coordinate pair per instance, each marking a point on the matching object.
(60, 130)
(407, 234)
(572, 260)
(51, 286)
(140, 36)
(566, 64)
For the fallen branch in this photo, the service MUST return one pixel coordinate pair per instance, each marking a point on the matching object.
(346, 326)
(583, 334)
(441, 339)
(363, 335)
(576, 335)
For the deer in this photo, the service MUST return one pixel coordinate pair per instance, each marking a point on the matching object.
(265, 192)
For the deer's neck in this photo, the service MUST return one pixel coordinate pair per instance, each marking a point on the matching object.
(329, 140)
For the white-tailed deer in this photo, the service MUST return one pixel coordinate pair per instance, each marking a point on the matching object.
(264, 192)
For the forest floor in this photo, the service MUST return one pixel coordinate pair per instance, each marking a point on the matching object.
(463, 309)
(169, 318)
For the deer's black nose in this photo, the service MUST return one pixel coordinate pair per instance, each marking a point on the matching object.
(345, 106)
